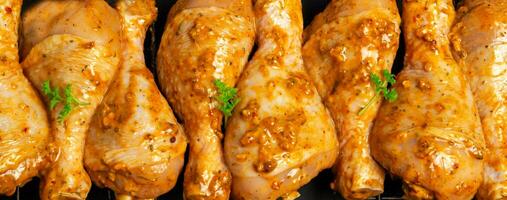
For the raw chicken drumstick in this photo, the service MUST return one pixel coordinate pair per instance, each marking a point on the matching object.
(71, 52)
(205, 45)
(431, 135)
(280, 135)
(135, 145)
(24, 132)
(345, 44)
(480, 44)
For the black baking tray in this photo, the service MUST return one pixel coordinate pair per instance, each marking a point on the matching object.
(317, 189)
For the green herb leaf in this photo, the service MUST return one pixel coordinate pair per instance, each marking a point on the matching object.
(375, 79)
(54, 99)
(226, 97)
(389, 77)
(46, 87)
(64, 112)
(381, 87)
(70, 103)
(53, 94)
(391, 96)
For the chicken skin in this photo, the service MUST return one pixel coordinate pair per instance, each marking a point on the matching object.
(431, 135)
(24, 132)
(135, 145)
(340, 61)
(204, 42)
(71, 52)
(280, 135)
(480, 44)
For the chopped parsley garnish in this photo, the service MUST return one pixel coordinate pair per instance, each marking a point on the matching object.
(69, 101)
(381, 88)
(226, 97)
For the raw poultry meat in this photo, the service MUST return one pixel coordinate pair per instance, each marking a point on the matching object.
(135, 145)
(345, 44)
(431, 135)
(70, 52)
(24, 132)
(205, 44)
(480, 44)
(280, 135)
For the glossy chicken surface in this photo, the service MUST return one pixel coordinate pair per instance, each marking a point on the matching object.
(204, 42)
(431, 135)
(280, 135)
(480, 43)
(24, 132)
(74, 45)
(135, 145)
(345, 44)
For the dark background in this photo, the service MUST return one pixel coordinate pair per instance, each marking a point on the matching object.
(317, 189)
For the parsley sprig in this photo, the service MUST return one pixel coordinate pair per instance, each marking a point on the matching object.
(69, 101)
(381, 88)
(226, 97)
(52, 94)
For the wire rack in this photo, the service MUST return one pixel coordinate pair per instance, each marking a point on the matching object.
(318, 189)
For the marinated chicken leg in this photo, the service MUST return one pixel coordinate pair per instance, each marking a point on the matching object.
(71, 52)
(24, 132)
(340, 62)
(280, 135)
(480, 41)
(431, 135)
(135, 145)
(205, 42)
